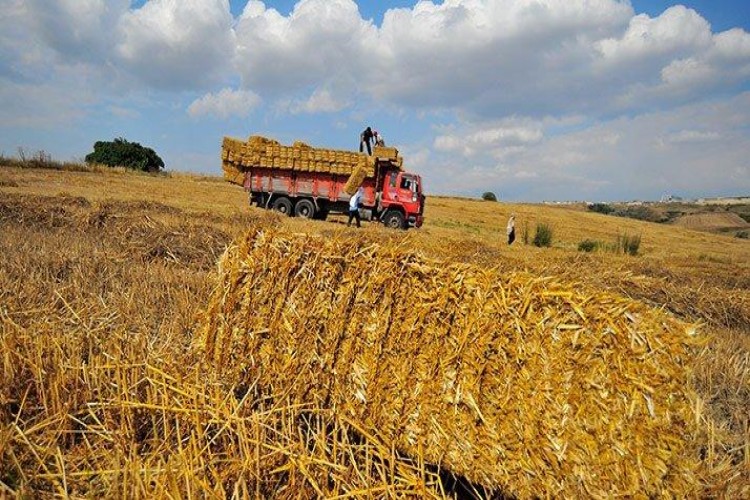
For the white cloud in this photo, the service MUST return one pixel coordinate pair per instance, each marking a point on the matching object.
(165, 44)
(322, 100)
(691, 136)
(694, 150)
(23, 57)
(732, 45)
(177, 44)
(677, 30)
(523, 174)
(320, 42)
(498, 67)
(691, 62)
(448, 143)
(491, 57)
(506, 135)
(77, 30)
(488, 58)
(225, 103)
(123, 112)
(687, 73)
(500, 140)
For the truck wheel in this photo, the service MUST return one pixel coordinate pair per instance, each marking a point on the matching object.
(282, 205)
(304, 208)
(258, 199)
(394, 220)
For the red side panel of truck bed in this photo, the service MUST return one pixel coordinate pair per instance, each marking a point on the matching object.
(304, 184)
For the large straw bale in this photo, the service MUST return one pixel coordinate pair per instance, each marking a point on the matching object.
(356, 179)
(384, 152)
(516, 382)
(258, 140)
(232, 173)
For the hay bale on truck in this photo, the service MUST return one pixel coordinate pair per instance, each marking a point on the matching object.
(303, 181)
(518, 383)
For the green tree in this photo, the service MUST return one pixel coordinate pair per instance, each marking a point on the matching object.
(122, 153)
(489, 196)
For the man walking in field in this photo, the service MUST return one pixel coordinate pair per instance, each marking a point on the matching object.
(511, 229)
(354, 203)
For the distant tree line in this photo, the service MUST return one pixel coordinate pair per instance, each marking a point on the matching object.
(123, 153)
(634, 212)
(601, 208)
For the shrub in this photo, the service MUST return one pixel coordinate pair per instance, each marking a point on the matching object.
(641, 213)
(602, 208)
(743, 235)
(588, 246)
(489, 196)
(629, 244)
(673, 214)
(122, 153)
(543, 236)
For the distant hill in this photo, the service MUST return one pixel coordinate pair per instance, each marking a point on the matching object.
(713, 222)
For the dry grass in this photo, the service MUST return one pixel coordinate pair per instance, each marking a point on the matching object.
(101, 392)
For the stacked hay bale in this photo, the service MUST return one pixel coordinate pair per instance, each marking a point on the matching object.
(259, 152)
(356, 179)
(389, 154)
(518, 383)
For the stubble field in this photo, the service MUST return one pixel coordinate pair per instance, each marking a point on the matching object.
(105, 286)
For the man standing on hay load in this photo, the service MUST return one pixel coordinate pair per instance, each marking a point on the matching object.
(511, 229)
(366, 138)
(354, 202)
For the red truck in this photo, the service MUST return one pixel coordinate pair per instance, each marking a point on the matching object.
(391, 196)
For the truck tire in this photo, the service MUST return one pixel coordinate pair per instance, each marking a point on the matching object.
(282, 205)
(394, 220)
(258, 199)
(304, 208)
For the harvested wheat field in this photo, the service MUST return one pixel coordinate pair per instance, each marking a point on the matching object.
(159, 338)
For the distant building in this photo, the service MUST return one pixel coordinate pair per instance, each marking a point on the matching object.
(667, 198)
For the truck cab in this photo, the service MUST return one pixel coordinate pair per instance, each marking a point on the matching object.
(401, 200)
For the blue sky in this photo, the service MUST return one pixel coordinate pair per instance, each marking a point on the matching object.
(531, 99)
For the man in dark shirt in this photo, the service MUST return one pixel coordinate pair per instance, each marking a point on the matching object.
(366, 137)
